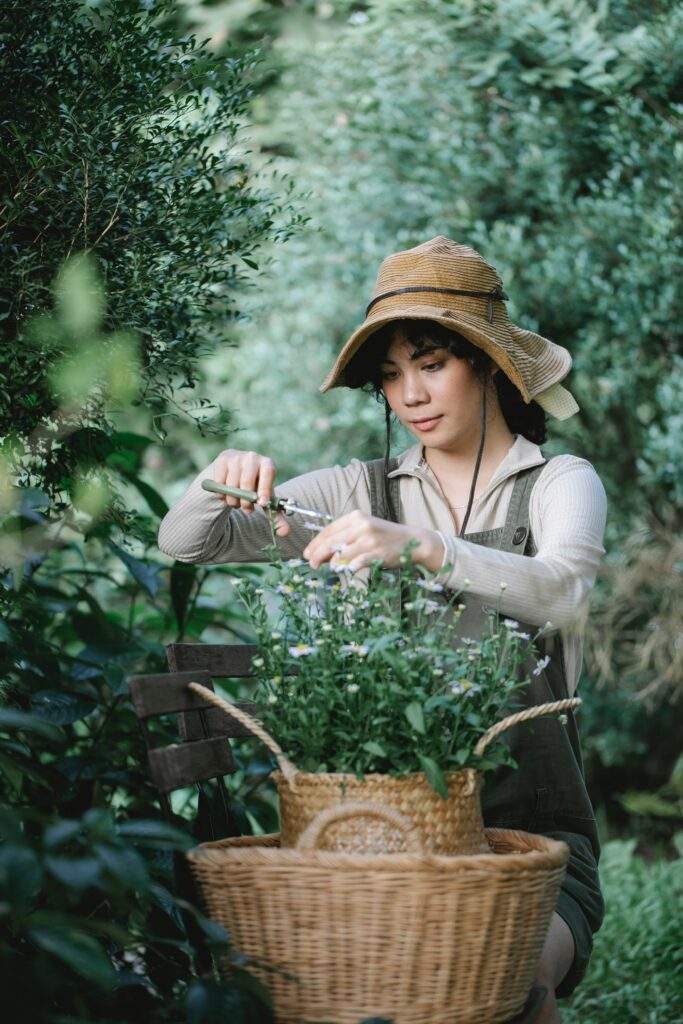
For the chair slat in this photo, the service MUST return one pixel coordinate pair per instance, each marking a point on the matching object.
(167, 693)
(217, 659)
(183, 764)
(217, 723)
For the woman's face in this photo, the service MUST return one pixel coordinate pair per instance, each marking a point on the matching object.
(436, 395)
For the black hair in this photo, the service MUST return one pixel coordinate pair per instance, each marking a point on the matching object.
(364, 371)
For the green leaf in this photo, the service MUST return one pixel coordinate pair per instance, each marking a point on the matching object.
(145, 574)
(76, 872)
(21, 875)
(374, 748)
(434, 775)
(152, 497)
(62, 708)
(61, 832)
(155, 833)
(23, 722)
(125, 864)
(183, 577)
(80, 952)
(415, 716)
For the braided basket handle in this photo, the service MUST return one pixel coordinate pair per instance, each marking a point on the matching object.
(524, 716)
(310, 837)
(289, 770)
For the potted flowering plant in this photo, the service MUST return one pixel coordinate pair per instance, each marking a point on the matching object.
(367, 688)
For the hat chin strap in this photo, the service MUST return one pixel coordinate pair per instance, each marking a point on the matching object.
(478, 462)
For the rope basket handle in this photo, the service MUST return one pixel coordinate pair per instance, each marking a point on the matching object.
(524, 716)
(288, 769)
(310, 837)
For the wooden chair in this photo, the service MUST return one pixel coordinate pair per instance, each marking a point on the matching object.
(204, 752)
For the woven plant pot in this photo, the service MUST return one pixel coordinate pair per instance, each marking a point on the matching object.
(449, 825)
(412, 937)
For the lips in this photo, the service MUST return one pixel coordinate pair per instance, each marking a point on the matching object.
(425, 424)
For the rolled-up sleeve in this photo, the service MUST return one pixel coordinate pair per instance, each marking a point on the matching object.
(201, 528)
(567, 517)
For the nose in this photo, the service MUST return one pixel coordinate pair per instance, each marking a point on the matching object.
(414, 391)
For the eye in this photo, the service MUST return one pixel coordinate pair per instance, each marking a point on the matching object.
(387, 374)
(433, 366)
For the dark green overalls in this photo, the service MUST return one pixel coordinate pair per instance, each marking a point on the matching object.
(547, 793)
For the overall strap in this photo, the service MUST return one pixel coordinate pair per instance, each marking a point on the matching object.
(379, 506)
(516, 534)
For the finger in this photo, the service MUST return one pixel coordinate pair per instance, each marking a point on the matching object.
(266, 478)
(338, 548)
(233, 479)
(221, 469)
(282, 527)
(363, 560)
(248, 477)
(343, 529)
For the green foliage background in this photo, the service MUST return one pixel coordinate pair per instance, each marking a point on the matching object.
(234, 206)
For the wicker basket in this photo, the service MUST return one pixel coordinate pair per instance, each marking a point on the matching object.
(446, 826)
(416, 938)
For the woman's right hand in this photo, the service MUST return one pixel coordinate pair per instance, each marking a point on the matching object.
(250, 472)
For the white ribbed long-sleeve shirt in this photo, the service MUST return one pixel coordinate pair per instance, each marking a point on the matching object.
(567, 516)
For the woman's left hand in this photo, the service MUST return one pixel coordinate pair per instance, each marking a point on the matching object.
(357, 540)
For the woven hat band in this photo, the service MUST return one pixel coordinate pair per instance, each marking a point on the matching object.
(494, 294)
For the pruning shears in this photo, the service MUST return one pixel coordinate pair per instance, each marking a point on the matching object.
(284, 505)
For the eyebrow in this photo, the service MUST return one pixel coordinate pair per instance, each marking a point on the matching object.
(418, 353)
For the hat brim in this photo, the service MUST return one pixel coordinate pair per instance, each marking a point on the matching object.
(471, 327)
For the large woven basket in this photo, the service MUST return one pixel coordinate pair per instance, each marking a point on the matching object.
(449, 825)
(411, 937)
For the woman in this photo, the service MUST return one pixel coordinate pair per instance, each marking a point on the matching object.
(438, 348)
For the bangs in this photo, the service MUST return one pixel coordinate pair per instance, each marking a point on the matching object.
(364, 369)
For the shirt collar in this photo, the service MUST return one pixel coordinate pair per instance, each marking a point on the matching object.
(521, 455)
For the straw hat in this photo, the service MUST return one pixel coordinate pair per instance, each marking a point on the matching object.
(455, 286)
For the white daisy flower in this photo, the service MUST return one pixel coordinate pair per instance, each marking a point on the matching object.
(327, 627)
(275, 635)
(294, 563)
(522, 636)
(503, 585)
(540, 665)
(272, 699)
(431, 585)
(511, 623)
(284, 588)
(258, 662)
(301, 650)
(352, 688)
(360, 649)
(431, 606)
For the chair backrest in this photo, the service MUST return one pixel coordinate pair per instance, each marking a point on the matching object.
(203, 752)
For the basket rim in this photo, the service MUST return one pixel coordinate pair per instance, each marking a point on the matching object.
(302, 776)
(534, 853)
